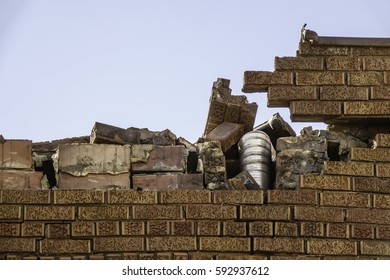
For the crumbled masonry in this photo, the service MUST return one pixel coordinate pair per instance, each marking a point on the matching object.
(131, 193)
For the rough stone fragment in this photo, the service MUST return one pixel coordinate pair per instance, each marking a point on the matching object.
(51, 213)
(8, 245)
(171, 243)
(104, 213)
(160, 159)
(167, 181)
(16, 154)
(280, 96)
(18, 179)
(286, 245)
(158, 212)
(118, 244)
(370, 108)
(225, 244)
(299, 63)
(365, 78)
(25, 197)
(94, 181)
(325, 182)
(83, 159)
(349, 168)
(344, 93)
(78, 196)
(227, 133)
(131, 197)
(107, 134)
(210, 212)
(332, 247)
(265, 212)
(319, 78)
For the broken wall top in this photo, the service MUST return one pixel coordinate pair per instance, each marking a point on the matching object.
(332, 79)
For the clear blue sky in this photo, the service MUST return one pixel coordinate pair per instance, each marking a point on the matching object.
(65, 64)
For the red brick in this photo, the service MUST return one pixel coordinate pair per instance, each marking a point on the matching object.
(293, 197)
(16, 154)
(20, 179)
(286, 229)
(299, 63)
(344, 93)
(224, 244)
(131, 197)
(319, 78)
(378, 248)
(312, 229)
(315, 214)
(325, 182)
(210, 212)
(9, 245)
(64, 246)
(238, 197)
(339, 230)
(279, 245)
(185, 196)
(260, 229)
(381, 201)
(171, 243)
(362, 231)
(265, 213)
(343, 63)
(331, 247)
(382, 170)
(349, 168)
(78, 196)
(374, 216)
(118, 244)
(345, 199)
(158, 212)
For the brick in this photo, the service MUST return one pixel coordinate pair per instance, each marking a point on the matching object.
(234, 228)
(383, 140)
(306, 213)
(365, 78)
(209, 228)
(343, 63)
(379, 248)
(107, 228)
(118, 244)
(364, 108)
(9, 245)
(104, 213)
(9, 229)
(185, 196)
(307, 49)
(229, 256)
(312, 229)
(382, 170)
(25, 197)
(83, 229)
(319, 78)
(114, 257)
(183, 228)
(299, 63)
(78, 196)
(279, 245)
(370, 51)
(171, 243)
(16, 154)
(366, 154)
(387, 78)
(248, 115)
(325, 182)
(133, 228)
(345, 199)
(65, 246)
(383, 232)
(33, 229)
(58, 231)
(227, 133)
(93, 181)
(83, 159)
(97, 257)
(362, 231)
(294, 257)
(375, 216)
(52, 213)
(376, 63)
(201, 256)
(238, 197)
(158, 158)
(349, 168)
(164, 256)
(221, 212)
(258, 81)
(381, 201)
(344, 93)
(265, 212)
(10, 212)
(331, 247)
(157, 228)
(167, 181)
(286, 229)
(260, 229)
(180, 256)
(366, 184)
(131, 197)
(224, 244)
(158, 212)
(314, 110)
(280, 96)
(232, 113)
(339, 230)
(292, 197)
(380, 92)
(20, 179)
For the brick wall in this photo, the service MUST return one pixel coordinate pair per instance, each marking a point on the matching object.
(330, 217)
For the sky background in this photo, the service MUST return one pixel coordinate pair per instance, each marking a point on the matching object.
(65, 64)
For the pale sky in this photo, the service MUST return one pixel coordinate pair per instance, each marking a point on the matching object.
(65, 64)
